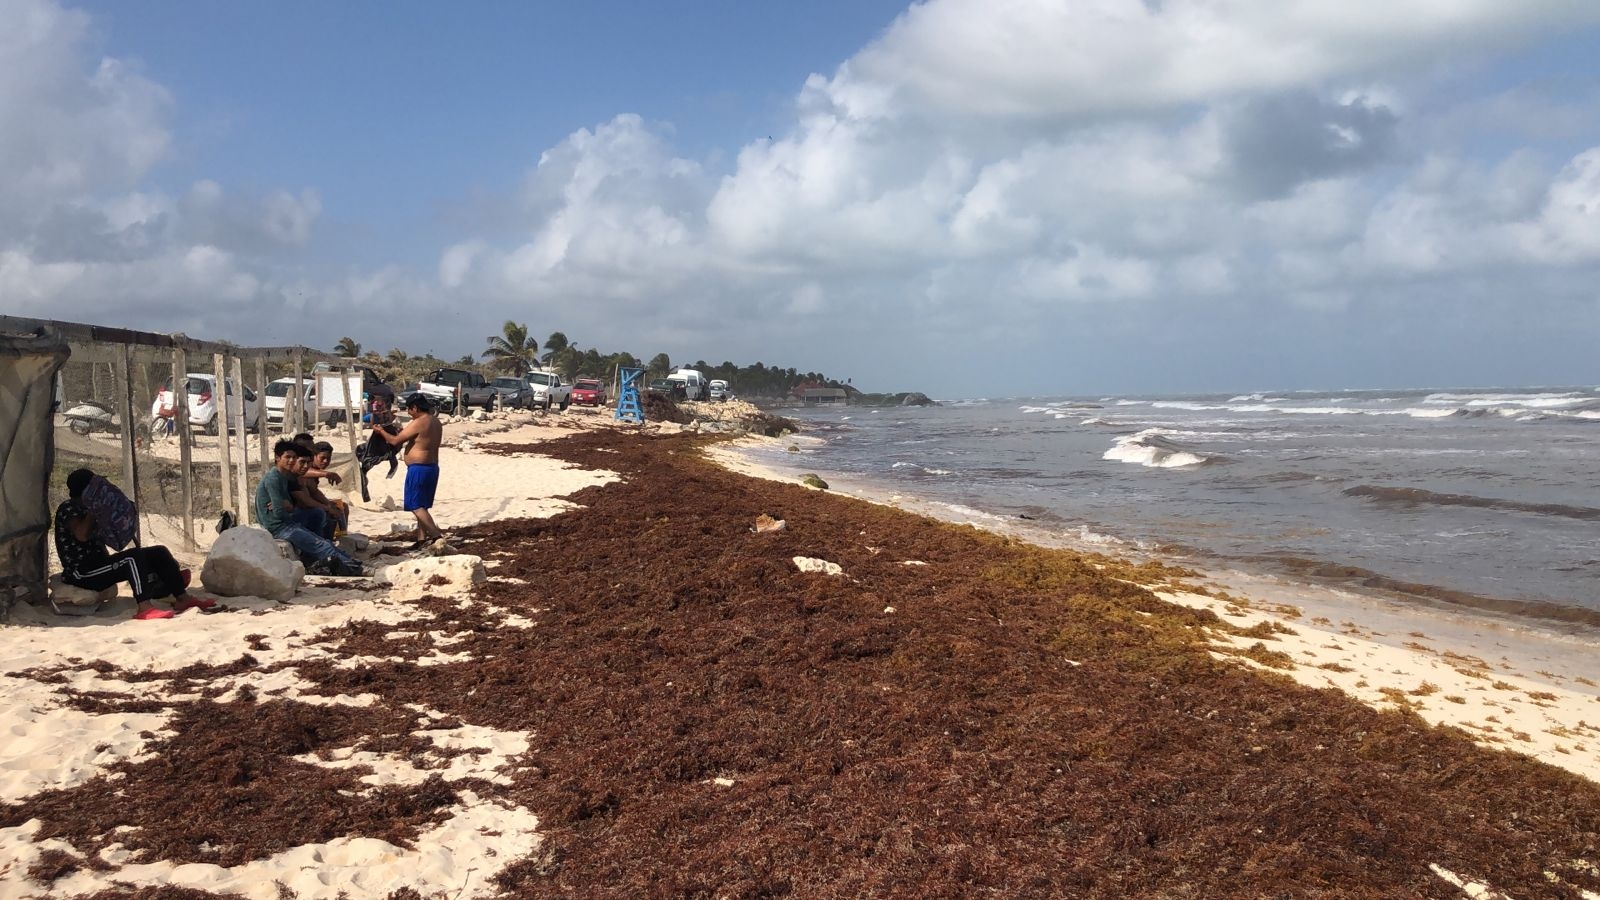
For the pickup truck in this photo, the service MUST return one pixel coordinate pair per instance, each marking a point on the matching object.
(444, 386)
(546, 389)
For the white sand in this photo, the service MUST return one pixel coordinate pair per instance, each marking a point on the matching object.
(1511, 685)
(49, 746)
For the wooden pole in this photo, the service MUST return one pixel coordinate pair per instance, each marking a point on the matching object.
(349, 406)
(261, 423)
(299, 399)
(219, 368)
(180, 403)
(122, 378)
(241, 433)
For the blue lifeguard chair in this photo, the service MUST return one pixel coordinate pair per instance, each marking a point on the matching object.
(628, 406)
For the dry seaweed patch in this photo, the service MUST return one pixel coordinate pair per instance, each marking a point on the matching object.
(1026, 724)
(224, 789)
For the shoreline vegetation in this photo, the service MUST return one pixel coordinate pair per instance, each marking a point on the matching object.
(647, 696)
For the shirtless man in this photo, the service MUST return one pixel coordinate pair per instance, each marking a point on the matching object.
(422, 436)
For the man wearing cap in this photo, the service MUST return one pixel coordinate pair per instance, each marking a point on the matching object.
(422, 436)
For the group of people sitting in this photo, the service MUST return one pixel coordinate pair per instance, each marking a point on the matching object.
(97, 519)
(291, 506)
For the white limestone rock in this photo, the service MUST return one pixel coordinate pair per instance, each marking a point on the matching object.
(245, 562)
(67, 598)
(811, 564)
(435, 575)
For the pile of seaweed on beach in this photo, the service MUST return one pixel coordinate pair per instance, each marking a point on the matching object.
(953, 714)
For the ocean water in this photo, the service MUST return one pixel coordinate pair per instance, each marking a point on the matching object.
(1480, 499)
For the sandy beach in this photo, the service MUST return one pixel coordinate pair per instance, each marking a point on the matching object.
(618, 688)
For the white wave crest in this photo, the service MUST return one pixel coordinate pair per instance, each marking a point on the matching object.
(926, 470)
(971, 513)
(1090, 536)
(1151, 449)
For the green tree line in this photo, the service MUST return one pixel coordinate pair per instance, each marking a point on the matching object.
(513, 352)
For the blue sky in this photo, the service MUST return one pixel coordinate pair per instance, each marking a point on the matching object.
(964, 197)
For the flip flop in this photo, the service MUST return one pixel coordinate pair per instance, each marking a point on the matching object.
(146, 615)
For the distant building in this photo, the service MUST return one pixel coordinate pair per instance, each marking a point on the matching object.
(824, 396)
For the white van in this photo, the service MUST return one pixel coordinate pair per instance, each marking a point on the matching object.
(694, 383)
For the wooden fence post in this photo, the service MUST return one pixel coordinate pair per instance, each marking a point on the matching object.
(122, 378)
(180, 404)
(242, 434)
(219, 368)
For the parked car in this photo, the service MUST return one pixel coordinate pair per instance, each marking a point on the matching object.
(514, 392)
(201, 389)
(589, 392)
(444, 386)
(667, 387)
(548, 390)
(277, 400)
(719, 389)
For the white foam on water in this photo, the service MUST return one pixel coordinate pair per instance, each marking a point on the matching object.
(926, 470)
(1150, 448)
(971, 513)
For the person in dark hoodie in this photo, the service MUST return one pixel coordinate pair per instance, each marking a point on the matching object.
(85, 562)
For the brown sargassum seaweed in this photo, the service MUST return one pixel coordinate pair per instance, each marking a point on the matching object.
(1024, 724)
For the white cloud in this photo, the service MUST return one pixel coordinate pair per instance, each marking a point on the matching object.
(1040, 59)
(70, 124)
(984, 173)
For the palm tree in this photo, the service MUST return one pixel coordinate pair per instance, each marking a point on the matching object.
(347, 346)
(660, 364)
(512, 349)
(554, 344)
(397, 356)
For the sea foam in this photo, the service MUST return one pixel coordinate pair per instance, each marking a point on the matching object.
(1153, 449)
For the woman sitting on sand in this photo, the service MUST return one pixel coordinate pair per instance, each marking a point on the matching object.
(86, 563)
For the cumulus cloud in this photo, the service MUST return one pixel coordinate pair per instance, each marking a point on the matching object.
(987, 176)
(1034, 59)
(81, 233)
(70, 124)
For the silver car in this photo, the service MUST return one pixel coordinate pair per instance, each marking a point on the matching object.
(514, 393)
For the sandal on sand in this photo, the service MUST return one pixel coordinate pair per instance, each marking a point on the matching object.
(194, 603)
(146, 615)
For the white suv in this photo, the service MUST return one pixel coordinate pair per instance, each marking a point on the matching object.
(203, 403)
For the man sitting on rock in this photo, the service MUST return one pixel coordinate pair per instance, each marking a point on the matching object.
(85, 562)
(302, 528)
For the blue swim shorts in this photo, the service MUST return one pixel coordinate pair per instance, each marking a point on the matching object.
(421, 482)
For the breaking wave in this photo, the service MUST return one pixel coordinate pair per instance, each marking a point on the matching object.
(919, 469)
(1410, 497)
(1152, 448)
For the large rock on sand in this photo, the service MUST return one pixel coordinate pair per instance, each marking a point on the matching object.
(245, 562)
(435, 575)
